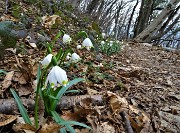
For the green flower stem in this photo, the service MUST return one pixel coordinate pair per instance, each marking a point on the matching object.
(54, 61)
(49, 49)
(36, 103)
(39, 86)
(57, 36)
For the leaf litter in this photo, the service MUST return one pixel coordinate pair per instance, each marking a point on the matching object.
(140, 88)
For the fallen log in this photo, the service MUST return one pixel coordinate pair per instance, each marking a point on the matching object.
(9, 106)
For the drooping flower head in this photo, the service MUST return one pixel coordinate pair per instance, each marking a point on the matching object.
(102, 42)
(78, 46)
(47, 60)
(75, 57)
(103, 35)
(66, 38)
(87, 43)
(68, 56)
(57, 76)
(110, 43)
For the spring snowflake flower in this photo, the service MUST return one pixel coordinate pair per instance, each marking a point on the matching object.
(102, 42)
(47, 60)
(57, 76)
(110, 43)
(87, 43)
(66, 38)
(103, 35)
(75, 57)
(68, 56)
(78, 46)
(117, 41)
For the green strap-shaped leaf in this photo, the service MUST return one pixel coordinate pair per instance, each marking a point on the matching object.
(58, 119)
(21, 107)
(2, 71)
(63, 90)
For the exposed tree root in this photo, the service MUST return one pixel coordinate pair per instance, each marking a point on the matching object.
(9, 106)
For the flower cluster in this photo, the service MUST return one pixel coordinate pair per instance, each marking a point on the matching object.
(57, 76)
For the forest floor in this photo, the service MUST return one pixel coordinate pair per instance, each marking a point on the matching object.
(143, 81)
(134, 90)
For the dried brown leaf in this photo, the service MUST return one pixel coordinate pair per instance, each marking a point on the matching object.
(6, 119)
(23, 127)
(7, 81)
(50, 128)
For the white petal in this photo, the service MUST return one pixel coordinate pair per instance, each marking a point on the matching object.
(60, 74)
(47, 60)
(51, 77)
(75, 57)
(69, 54)
(103, 35)
(102, 42)
(88, 48)
(68, 57)
(78, 46)
(87, 43)
(66, 38)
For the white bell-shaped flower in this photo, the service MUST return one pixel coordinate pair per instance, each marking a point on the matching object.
(117, 41)
(68, 56)
(66, 38)
(78, 46)
(57, 76)
(102, 42)
(110, 43)
(103, 35)
(87, 43)
(75, 57)
(47, 60)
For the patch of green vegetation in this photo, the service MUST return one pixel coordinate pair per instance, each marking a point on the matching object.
(16, 12)
(110, 48)
(108, 65)
(120, 85)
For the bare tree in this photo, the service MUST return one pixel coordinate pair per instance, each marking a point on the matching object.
(144, 15)
(130, 19)
(146, 35)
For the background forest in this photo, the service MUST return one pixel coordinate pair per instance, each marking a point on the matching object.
(126, 19)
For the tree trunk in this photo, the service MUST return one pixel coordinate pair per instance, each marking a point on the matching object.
(75, 3)
(163, 32)
(130, 19)
(117, 17)
(145, 35)
(93, 5)
(144, 15)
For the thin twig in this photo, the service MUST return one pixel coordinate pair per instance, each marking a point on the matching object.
(6, 8)
(127, 122)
